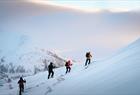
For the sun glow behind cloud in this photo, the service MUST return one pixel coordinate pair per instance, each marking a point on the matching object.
(93, 6)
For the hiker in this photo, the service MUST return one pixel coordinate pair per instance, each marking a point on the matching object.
(88, 58)
(50, 70)
(21, 85)
(68, 66)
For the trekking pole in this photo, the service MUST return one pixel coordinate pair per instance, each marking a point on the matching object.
(25, 85)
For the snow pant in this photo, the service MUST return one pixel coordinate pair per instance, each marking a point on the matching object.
(68, 69)
(21, 89)
(87, 62)
(51, 73)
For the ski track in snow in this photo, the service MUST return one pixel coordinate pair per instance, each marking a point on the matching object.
(49, 89)
(59, 80)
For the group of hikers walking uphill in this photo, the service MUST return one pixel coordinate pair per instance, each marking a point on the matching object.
(51, 67)
(68, 65)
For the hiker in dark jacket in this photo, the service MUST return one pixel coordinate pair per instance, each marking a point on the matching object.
(88, 58)
(21, 85)
(68, 66)
(50, 70)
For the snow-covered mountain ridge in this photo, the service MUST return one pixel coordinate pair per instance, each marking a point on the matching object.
(19, 55)
(118, 75)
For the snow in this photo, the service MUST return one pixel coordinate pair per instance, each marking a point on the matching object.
(117, 75)
(18, 51)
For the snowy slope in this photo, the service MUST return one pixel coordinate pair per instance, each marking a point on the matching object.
(18, 54)
(16, 45)
(118, 75)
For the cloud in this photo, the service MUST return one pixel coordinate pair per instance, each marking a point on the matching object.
(66, 30)
(92, 6)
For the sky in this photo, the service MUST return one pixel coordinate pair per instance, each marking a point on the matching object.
(68, 30)
(94, 5)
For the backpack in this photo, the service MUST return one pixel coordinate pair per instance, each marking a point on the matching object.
(87, 54)
(66, 64)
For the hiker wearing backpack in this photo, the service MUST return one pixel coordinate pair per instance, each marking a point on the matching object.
(88, 58)
(68, 66)
(50, 70)
(21, 85)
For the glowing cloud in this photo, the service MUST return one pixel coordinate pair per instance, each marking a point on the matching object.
(93, 6)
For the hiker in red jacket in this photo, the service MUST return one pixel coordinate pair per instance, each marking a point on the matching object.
(68, 66)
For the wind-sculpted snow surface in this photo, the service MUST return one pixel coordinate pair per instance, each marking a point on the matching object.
(118, 75)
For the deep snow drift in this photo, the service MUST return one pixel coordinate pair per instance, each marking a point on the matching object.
(118, 75)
